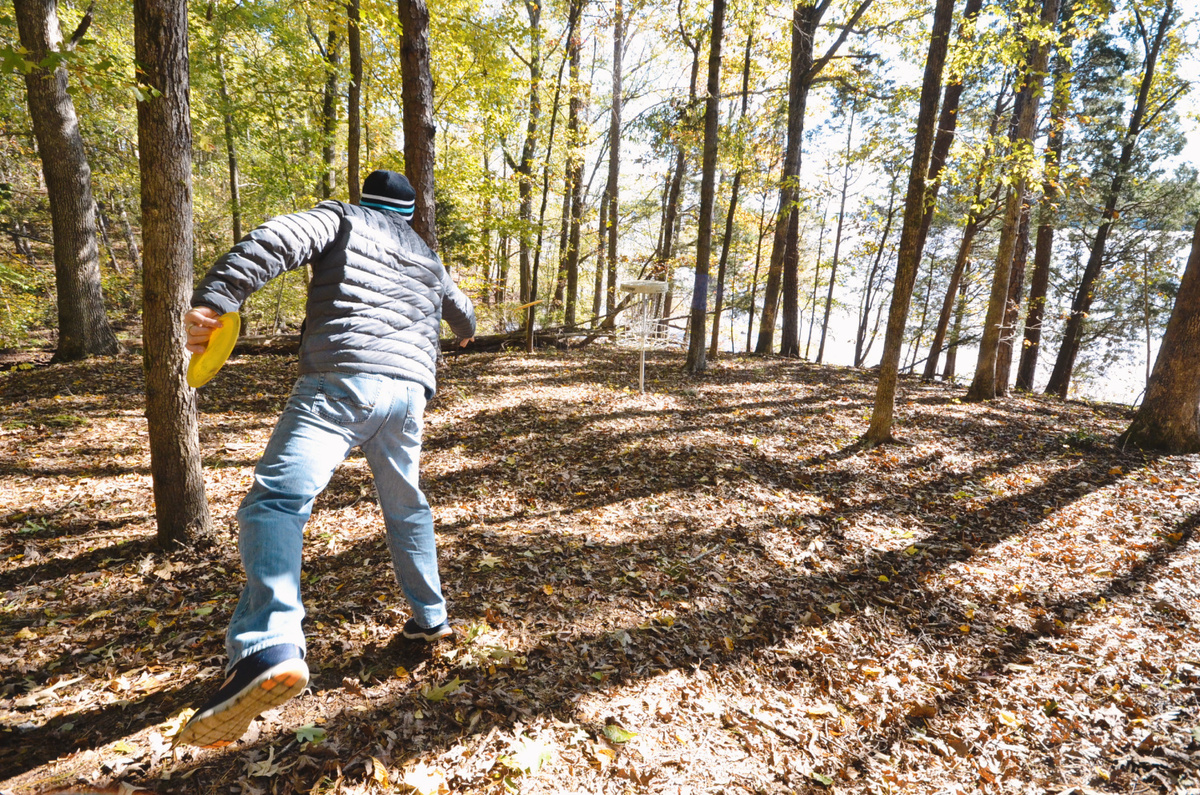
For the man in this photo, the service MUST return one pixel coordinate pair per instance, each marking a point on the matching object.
(367, 366)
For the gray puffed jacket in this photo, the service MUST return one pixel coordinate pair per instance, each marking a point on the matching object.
(377, 297)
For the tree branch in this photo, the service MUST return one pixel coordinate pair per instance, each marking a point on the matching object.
(84, 24)
(817, 66)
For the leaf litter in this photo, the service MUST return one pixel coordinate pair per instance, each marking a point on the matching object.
(705, 588)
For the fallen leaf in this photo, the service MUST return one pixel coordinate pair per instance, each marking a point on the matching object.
(618, 734)
(425, 779)
(434, 693)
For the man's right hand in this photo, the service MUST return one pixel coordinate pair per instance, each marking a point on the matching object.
(199, 323)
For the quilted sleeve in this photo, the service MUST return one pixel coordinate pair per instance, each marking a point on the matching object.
(457, 309)
(281, 244)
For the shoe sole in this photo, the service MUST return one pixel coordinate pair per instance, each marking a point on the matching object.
(223, 724)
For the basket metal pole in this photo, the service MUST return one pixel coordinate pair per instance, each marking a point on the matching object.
(642, 373)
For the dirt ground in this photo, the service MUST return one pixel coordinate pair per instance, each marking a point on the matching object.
(706, 588)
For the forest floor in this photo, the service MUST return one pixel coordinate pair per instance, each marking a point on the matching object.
(706, 588)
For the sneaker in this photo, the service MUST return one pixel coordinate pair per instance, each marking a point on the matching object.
(414, 631)
(260, 682)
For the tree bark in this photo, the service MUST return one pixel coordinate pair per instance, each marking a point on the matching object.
(1012, 309)
(416, 92)
(947, 124)
(1060, 378)
(666, 255)
(1169, 418)
(614, 164)
(576, 166)
(353, 102)
(882, 416)
(783, 274)
(235, 194)
(329, 114)
(983, 386)
(730, 215)
(164, 144)
(1039, 280)
(83, 327)
(696, 362)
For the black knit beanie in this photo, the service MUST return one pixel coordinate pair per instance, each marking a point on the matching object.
(388, 190)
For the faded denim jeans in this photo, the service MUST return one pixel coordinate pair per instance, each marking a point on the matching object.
(326, 416)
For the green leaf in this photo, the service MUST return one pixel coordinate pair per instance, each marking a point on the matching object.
(435, 694)
(203, 611)
(821, 778)
(310, 733)
(617, 734)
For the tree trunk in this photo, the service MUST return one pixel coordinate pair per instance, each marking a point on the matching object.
(708, 175)
(1039, 281)
(164, 144)
(812, 315)
(102, 226)
(524, 167)
(956, 336)
(1169, 418)
(666, 258)
(860, 338)
(353, 101)
(329, 114)
(602, 239)
(416, 93)
(83, 327)
(880, 429)
(733, 201)
(983, 386)
(783, 274)
(1012, 310)
(235, 195)
(762, 233)
(1060, 378)
(947, 124)
(837, 237)
(576, 167)
(614, 164)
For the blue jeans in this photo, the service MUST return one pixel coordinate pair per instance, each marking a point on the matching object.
(326, 416)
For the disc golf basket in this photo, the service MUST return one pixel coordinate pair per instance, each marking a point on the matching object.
(644, 329)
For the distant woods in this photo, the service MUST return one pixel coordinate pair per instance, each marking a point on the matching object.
(995, 193)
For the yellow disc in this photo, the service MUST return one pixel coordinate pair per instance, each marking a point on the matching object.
(205, 365)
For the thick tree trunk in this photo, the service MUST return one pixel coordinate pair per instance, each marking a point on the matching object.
(164, 143)
(880, 429)
(416, 93)
(353, 102)
(1060, 378)
(612, 192)
(235, 194)
(1169, 418)
(83, 327)
(983, 386)
(696, 362)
